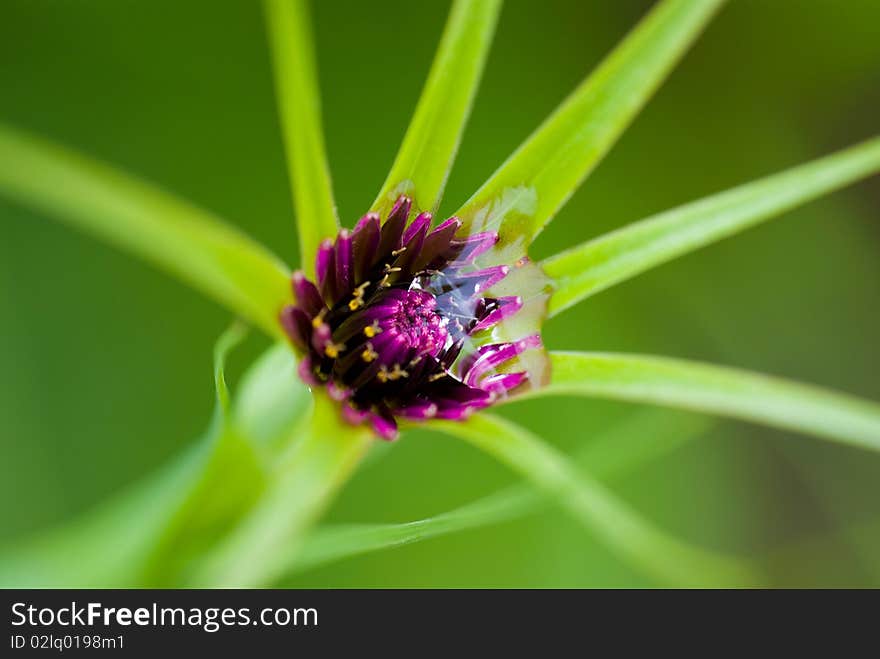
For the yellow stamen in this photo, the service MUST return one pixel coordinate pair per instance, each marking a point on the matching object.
(372, 330)
(332, 350)
(397, 373)
(318, 320)
(369, 354)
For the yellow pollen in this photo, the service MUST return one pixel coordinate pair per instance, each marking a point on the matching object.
(332, 350)
(398, 252)
(388, 269)
(436, 377)
(318, 320)
(372, 330)
(397, 373)
(356, 304)
(369, 354)
(384, 283)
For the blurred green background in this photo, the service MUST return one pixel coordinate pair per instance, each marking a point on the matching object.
(106, 363)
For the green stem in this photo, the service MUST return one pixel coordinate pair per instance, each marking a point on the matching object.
(258, 550)
(299, 109)
(665, 557)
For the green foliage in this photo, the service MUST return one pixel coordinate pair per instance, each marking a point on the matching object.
(594, 266)
(717, 390)
(299, 107)
(625, 448)
(665, 557)
(528, 189)
(428, 150)
(237, 508)
(150, 534)
(300, 487)
(140, 218)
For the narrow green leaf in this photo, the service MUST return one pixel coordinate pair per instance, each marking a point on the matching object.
(141, 537)
(595, 265)
(716, 390)
(661, 555)
(189, 242)
(531, 186)
(229, 481)
(428, 150)
(614, 453)
(259, 548)
(271, 398)
(299, 108)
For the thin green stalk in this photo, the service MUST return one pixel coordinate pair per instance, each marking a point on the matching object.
(259, 548)
(716, 390)
(429, 147)
(531, 186)
(299, 109)
(595, 265)
(661, 555)
(135, 216)
(621, 450)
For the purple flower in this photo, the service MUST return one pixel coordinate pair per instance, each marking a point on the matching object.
(396, 325)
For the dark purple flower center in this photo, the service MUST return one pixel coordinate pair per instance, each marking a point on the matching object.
(392, 325)
(406, 326)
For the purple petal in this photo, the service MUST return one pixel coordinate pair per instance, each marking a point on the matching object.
(306, 293)
(479, 281)
(418, 411)
(436, 244)
(392, 230)
(503, 382)
(338, 393)
(364, 241)
(413, 239)
(353, 416)
(491, 356)
(469, 248)
(456, 412)
(306, 372)
(421, 224)
(325, 271)
(384, 426)
(343, 259)
(321, 337)
(506, 307)
(298, 326)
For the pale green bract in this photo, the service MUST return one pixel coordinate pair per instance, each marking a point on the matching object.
(238, 507)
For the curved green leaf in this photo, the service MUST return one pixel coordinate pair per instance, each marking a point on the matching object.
(189, 242)
(595, 265)
(145, 535)
(299, 108)
(428, 150)
(716, 390)
(302, 485)
(665, 557)
(271, 398)
(619, 451)
(528, 189)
